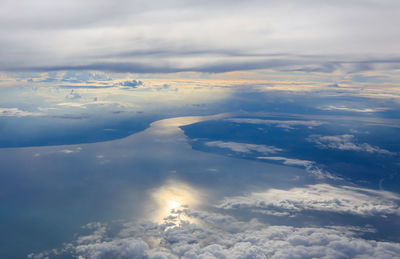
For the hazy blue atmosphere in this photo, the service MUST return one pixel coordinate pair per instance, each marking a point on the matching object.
(212, 129)
(213, 175)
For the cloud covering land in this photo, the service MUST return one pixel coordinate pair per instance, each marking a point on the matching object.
(220, 236)
(320, 197)
(346, 142)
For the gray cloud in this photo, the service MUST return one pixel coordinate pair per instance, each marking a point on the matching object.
(80, 116)
(84, 76)
(207, 36)
(345, 142)
(131, 84)
(213, 64)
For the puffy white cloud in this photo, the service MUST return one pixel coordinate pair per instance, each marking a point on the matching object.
(287, 124)
(221, 236)
(244, 147)
(319, 197)
(188, 233)
(345, 142)
(118, 248)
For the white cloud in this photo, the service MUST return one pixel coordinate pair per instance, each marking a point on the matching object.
(72, 104)
(310, 166)
(221, 236)
(349, 109)
(15, 112)
(70, 151)
(289, 161)
(319, 197)
(345, 142)
(95, 236)
(244, 147)
(287, 124)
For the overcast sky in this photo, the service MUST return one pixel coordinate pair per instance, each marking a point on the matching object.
(206, 36)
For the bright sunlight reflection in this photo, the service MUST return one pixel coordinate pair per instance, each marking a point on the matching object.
(172, 198)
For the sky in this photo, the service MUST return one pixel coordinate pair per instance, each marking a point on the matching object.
(199, 129)
(201, 36)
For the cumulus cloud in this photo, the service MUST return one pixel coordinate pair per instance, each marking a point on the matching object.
(287, 124)
(220, 236)
(345, 142)
(310, 166)
(244, 147)
(319, 197)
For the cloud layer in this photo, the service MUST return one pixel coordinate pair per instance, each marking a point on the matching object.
(188, 233)
(220, 236)
(207, 36)
(319, 197)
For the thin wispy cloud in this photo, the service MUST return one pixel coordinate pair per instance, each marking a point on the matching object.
(350, 109)
(287, 124)
(310, 166)
(346, 142)
(16, 112)
(244, 147)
